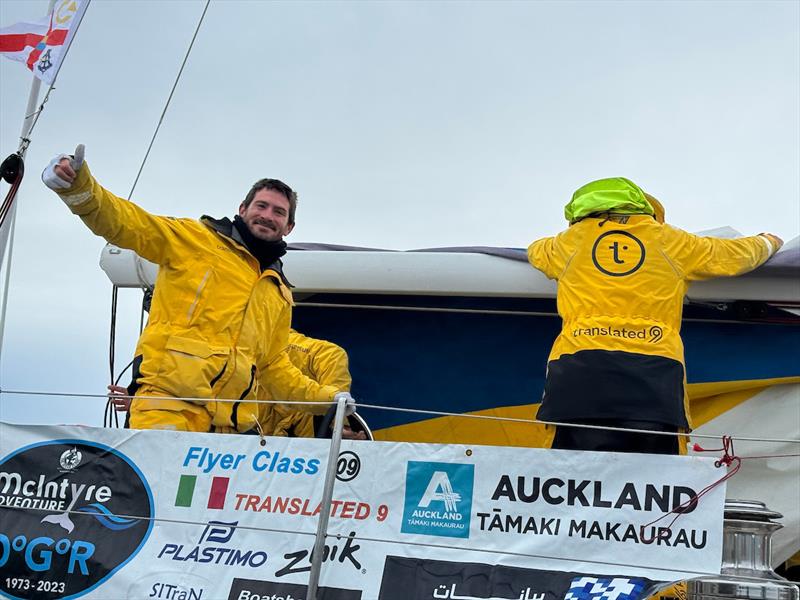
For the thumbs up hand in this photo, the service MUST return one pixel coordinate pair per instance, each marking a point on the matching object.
(62, 170)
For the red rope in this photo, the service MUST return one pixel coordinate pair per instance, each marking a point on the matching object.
(728, 459)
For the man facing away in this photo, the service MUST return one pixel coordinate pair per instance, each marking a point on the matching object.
(622, 275)
(327, 364)
(221, 310)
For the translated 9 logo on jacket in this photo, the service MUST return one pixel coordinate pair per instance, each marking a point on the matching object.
(72, 513)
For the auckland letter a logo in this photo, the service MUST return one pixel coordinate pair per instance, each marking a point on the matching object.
(441, 490)
(438, 499)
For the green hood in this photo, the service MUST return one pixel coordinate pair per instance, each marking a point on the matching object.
(617, 195)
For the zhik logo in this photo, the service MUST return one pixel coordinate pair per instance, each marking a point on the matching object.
(300, 561)
(438, 499)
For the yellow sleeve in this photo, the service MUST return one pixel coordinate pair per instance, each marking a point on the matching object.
(279, 339)
(550, 255)
(705, 257)
(284, 381)
(329, 365)
(123, 223)
(300, 424)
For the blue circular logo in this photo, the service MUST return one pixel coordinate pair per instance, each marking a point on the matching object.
(72, 513)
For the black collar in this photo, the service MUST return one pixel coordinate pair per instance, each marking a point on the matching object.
(268, 254)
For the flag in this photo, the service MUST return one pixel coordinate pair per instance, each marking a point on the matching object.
(42, 45)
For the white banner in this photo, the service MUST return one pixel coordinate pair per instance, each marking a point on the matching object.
(106, 513)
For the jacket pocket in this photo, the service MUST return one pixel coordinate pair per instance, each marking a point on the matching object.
(190, 368)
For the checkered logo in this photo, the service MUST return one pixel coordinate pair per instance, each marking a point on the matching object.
(605, 588)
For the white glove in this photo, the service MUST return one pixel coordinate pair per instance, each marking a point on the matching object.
(350, 403)
(774, 241)
(63, 178)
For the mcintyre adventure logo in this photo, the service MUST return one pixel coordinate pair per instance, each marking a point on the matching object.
(438, 499)
(72, 513)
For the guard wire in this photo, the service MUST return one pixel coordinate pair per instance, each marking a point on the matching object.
(713, 436)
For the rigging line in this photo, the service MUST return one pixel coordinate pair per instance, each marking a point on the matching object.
(141, 312)
(112, 332)
(328, 534)
(184, 398)
(166, 106)
(26, 139)
(110, 413)
(477, 311)
(163, 520)
(121, 373)
(574, 425)
(712, 436)
(485, 311)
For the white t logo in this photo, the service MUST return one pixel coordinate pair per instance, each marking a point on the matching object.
(440, 490)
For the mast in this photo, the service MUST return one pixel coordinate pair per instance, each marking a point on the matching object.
(27, 124)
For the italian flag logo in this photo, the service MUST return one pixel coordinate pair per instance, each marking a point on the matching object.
(216, 496)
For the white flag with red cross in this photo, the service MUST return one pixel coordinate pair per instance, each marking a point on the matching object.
(41, 45)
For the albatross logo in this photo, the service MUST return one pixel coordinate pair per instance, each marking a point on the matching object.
(70, 459)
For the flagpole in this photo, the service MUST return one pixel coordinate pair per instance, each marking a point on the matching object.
(24, 142)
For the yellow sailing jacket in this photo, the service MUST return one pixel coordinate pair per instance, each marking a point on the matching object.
(320, 360)
(621, 284)
(218, 324)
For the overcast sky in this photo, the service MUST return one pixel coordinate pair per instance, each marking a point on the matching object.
(401, 124)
